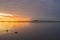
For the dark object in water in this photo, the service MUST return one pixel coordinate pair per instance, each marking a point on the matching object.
(16, 32)
(6, 30)
(35, 20)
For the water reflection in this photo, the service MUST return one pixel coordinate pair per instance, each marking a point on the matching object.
(12, 26)
(29, 31)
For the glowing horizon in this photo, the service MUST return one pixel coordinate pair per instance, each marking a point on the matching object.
(11, 25)
(10, 17)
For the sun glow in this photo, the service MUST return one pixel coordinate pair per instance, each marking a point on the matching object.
(10, 17)
(11, 25)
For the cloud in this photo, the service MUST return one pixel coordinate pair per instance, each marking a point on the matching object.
(47, 9)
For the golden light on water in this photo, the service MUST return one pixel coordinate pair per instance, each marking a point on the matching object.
(11, 25)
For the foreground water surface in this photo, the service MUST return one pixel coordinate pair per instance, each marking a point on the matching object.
(29, 31)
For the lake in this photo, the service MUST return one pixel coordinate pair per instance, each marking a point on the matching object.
(29, 31)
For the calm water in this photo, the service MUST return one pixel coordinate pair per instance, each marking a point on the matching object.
(29, 31)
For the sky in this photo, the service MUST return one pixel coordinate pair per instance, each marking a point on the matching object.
(34, 9)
